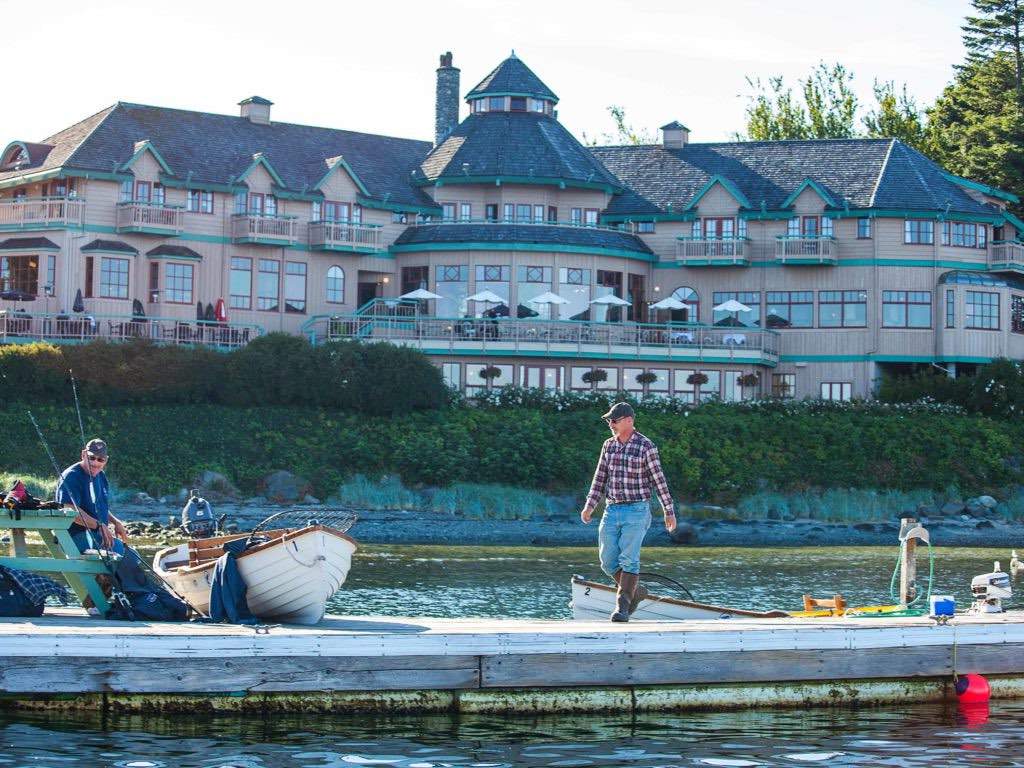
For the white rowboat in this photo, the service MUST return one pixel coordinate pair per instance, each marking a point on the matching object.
(289, 578)
(592, 601)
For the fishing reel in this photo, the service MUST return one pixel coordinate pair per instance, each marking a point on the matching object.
(989, 591)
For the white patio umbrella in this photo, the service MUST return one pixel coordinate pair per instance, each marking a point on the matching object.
(669, 302)
(611, 300)
(732, 306)
(420, 294)
(487, 297)
(548, 298)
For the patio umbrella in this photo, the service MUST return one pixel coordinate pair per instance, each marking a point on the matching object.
(501, 310)
(486, 297)
(79, 305)
(13, 295)
(669, 302)
(732, 306)
(420, 294)
(548, 298)
(137, 310)
(221, 311)
(523, 312)
(611, 300)
(209, 314)
(200, 311)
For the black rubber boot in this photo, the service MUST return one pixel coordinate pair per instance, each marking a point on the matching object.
(624, 596)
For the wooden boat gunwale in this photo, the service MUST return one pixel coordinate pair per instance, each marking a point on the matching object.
(278, 536)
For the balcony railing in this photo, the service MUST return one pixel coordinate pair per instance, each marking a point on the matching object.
(150, 218)
(511, 336)
(713, 252)
(798, 249)
(341, 236)
(30, 213)
(1006, 256)
(268, 230)
(20, 326)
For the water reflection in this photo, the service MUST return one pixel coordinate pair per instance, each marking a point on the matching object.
(927, 735)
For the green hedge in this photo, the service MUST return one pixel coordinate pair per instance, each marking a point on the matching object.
(997, 389)
(277, 369)
(718, 452)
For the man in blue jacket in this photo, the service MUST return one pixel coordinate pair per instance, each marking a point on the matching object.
(84, 486)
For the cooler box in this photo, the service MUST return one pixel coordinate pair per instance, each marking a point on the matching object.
(942, 605)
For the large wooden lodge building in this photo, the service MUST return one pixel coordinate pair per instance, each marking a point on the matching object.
(836, 260)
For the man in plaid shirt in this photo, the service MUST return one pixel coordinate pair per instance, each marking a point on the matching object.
(628, 467)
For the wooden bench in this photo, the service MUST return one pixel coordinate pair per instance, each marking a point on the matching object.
(836, 603)
(79, 570)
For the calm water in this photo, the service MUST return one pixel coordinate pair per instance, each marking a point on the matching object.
(533, 582)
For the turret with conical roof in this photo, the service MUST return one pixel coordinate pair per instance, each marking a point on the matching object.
(512, 87)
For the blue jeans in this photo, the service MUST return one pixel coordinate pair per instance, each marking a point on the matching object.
(620, 535)
(81, 540)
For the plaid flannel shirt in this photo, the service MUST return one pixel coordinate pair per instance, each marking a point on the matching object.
(626, 471)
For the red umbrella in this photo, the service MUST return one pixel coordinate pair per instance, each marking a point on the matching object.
(221, 312)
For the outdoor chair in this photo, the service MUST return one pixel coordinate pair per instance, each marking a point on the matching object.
(836, 603)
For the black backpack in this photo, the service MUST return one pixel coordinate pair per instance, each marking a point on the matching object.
(146, 599)
(14, 601)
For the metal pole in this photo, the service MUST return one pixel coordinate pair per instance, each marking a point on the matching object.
(908, 562)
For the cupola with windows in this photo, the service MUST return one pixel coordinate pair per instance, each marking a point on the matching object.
(512, 87)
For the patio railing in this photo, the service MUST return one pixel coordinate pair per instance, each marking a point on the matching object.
(41, 212)
(17, 326)
(513, 335)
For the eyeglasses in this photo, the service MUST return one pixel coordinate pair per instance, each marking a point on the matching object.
(615, 421)
(96, 459)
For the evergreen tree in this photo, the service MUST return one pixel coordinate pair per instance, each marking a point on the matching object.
(998, 29)
(895, 116)
(975, 129)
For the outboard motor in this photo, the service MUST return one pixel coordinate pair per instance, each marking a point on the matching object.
(197, 519)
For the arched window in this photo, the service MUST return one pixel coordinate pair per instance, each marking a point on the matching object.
(335, 285)
(691, 299)
(15, 156)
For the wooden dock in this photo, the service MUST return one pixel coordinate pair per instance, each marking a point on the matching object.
(67, 660)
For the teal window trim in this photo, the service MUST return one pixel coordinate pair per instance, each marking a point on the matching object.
(472, 95)
(731, 188)
(979, 187)
(384, 205)
(809, 182)
(203, 186)
(619, 218)
(514, 246)
(63, 173)
(545, 181)
(285, 194)
(334, 164)
(147, 146)
(1017, 223)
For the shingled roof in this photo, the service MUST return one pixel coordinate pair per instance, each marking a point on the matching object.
(538, 234)
(62, 146)
(514, 144)
(219, 148)
(865, 173)
(512, 78)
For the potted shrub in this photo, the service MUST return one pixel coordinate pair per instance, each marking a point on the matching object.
(489, 374)
(697, 379)
(646, 378)
(595, 377)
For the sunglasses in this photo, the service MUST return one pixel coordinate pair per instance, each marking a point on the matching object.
(615, 421)
(96, 459)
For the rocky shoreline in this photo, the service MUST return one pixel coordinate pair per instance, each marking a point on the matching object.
(153, 520)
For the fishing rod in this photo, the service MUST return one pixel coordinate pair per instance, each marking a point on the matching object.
(78, 409)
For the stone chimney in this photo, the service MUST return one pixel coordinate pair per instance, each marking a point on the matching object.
(256, 109)
(446, 103)
(675, 135)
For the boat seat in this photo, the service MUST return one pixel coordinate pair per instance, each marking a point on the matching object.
(201, 551)
(836, 603)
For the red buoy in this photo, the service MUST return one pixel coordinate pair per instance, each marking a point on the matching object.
(972, 689)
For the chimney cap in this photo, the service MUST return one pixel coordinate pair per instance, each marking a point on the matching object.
(446, 60)
(675, 125)
(256, 100)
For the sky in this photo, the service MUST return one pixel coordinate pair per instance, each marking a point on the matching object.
(370, 66)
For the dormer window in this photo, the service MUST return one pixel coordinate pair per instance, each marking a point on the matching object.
(496, 104)
(15, 157)
(517, 104)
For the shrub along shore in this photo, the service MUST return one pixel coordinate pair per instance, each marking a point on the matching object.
(332, 413)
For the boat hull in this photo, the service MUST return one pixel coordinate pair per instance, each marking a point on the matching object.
(288, 579)
(592, 601)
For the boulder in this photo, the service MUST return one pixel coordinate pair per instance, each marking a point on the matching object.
(988, 501)
(684, 533)
(981, 524)
(310, 499)
(282, 487)
(215, 486)
(142, 498)
(974, 509)
(951, 508)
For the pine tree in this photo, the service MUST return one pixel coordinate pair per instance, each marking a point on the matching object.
(998, 29)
